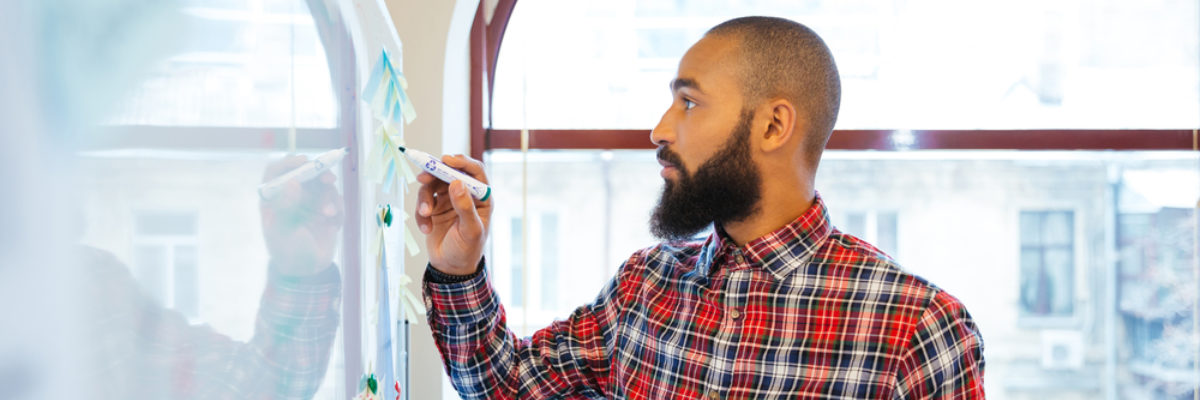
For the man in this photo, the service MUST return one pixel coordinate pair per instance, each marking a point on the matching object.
(140, 350)
(774, 304)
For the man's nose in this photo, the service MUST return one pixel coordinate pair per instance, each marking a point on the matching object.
(663, 133)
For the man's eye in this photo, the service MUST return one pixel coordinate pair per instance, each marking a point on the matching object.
(688, 104)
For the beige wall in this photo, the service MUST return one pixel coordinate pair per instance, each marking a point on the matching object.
(435, 39)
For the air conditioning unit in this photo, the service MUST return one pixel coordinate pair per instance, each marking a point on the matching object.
(1062, 349)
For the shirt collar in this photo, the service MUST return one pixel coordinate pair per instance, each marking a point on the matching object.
(781, 251)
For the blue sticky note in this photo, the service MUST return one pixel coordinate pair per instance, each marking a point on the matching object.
(384, 330)
(390, 177)
(373, 82)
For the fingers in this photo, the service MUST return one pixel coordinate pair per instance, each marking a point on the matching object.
(468, 165)
(469, 223)
(425, 178)
(290, 193)
(424, 211)
(432, 199)
(297, 203)
(333, 209)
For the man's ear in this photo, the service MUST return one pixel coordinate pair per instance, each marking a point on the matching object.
(781, 125)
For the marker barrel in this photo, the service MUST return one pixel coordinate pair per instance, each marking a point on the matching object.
(437, 168)
(311, 169)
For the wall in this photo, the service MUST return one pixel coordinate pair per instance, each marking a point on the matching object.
(436, 63)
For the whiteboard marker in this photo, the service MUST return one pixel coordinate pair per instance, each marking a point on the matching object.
(442, 171)
(311, 169)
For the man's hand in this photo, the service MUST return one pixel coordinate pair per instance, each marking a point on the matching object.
(454, 223)
(301, 223)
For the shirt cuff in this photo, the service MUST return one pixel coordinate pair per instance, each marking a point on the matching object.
(433, 275)
(468, 302)
(327, 275)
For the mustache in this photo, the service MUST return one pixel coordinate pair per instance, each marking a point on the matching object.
(669, 156)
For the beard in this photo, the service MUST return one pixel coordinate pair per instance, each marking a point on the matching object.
(726, 188)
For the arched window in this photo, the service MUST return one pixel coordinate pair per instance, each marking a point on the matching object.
(1035, 159)
(170, 181)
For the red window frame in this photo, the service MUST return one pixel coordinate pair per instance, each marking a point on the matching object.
(486, 39)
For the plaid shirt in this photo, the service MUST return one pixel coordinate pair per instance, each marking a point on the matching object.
(140, 350)
(804, 312)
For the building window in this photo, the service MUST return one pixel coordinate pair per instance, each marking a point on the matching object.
(165, 259)
(878, 228)
(541, 264)
(1047, 263)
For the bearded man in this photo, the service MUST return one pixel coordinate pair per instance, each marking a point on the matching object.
(775, 303)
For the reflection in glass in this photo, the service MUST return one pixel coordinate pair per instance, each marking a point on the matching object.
(196, 304)
(172, 280)
(1021, 238)
(235, 68)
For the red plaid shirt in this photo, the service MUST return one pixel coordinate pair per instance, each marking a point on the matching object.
(140, 350)
(804, 312)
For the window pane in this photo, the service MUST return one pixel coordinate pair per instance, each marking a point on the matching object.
(516, 256)
(600, 200)
(1032, 282)
(855, 224)
(886, 227)
(550, 282)
(966, 238)
(1058, 228)
(150, 265)
(1059, 270)
(187, 281)
(209, 267)
(921, 64)
(232, 65)
(170, 206)
(1031, 228)
(166, 224)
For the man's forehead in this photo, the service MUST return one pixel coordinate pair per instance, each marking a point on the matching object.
(708, 65)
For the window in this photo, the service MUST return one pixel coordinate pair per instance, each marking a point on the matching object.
(241, 64)
(1068, 66)
(165, 259)
(876, 227)
(169, 182)
(949, 117)
(1047, 263)
(531, 288)
(1156, 249)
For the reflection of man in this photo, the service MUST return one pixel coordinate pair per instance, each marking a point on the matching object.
(775, 303)
(142, 351)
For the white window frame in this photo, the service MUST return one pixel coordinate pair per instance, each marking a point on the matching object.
(1078, 274)
(337, 39)
(870, 226)
(169, 243)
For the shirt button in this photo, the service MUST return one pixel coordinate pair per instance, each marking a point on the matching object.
(735, 314)
(739, 258)
(713, 395)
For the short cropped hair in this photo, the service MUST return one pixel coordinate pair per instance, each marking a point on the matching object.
(783, 58)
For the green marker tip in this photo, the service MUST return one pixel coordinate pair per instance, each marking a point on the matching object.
(401, 148)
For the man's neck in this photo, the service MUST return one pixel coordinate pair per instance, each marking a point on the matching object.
(776, 209)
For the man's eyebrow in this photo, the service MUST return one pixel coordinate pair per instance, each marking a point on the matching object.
(680, 83)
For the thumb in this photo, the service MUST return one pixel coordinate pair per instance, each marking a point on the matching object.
(469, 223)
